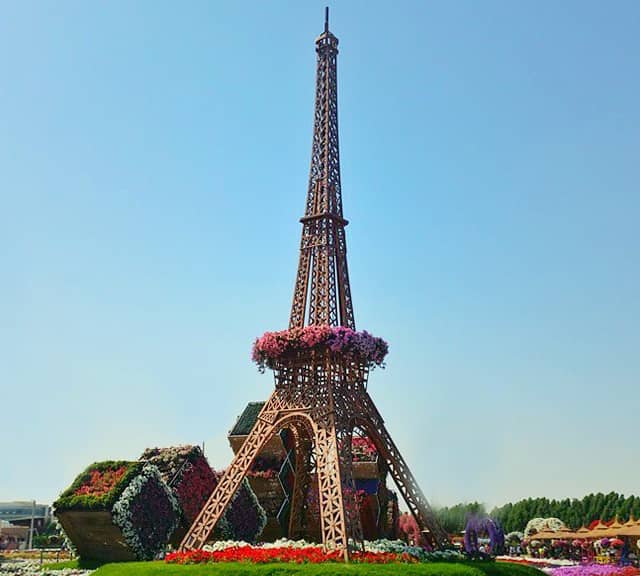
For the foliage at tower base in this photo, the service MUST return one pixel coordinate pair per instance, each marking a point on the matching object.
(117, 511)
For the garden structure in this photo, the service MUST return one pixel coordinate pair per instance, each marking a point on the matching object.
(321, 365)
(118, 511)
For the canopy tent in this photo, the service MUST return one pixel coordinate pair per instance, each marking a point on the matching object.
(631, 530)
(553, 535)
(600, 530)
(613, 530)
(566, 535)
(543, 535)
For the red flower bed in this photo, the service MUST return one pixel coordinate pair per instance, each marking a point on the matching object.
(100, 482)
(312, 555)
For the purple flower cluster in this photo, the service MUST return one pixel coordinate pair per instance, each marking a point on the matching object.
(273, 347)
(479, 526)
(594, 570)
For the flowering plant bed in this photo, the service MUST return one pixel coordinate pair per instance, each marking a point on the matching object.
(98, 487)
(594, 570)
(273, 347)
(309, 555)
(300, 551)
(118, 511)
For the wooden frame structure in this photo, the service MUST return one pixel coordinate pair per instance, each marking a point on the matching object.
(321, 396)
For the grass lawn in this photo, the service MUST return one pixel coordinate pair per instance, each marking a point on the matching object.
(328, 569)
(83, 564)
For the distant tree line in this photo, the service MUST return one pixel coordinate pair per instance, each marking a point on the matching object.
(453, 519)
(572, 511)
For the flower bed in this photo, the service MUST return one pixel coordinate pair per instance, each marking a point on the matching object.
(594, 570)
(118, 511)
(267, 555)
(300, 551)
(98, 487)
(361, 347)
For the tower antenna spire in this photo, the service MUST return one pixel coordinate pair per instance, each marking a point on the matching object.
(326, 19)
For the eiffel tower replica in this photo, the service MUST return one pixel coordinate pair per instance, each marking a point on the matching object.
(321, 395)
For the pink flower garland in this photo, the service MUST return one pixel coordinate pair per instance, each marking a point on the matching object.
(272, 347)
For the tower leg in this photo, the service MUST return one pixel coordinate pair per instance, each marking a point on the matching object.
(332, 513)
(303, 466)
(404, 479)
(206, 521)
(349, 492)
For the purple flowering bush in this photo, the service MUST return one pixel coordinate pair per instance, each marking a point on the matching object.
(273, 347)
(479, 526)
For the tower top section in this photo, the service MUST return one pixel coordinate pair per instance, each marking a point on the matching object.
(326, 40)
(322, 294)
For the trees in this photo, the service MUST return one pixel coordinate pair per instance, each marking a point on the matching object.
(453, 519)
(573, 512)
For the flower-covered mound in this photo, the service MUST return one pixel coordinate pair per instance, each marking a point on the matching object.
(138, 502)
(300, 551)
(147, 513)
(191, 480)
(187, 472)
(362, 347)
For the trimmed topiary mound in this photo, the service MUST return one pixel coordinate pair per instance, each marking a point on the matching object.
(118, 511)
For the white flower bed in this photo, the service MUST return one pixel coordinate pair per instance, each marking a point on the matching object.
(32, 568)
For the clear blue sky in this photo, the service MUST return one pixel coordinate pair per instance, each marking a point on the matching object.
(153, 166)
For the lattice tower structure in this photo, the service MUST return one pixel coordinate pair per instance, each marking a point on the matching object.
(322, 396)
